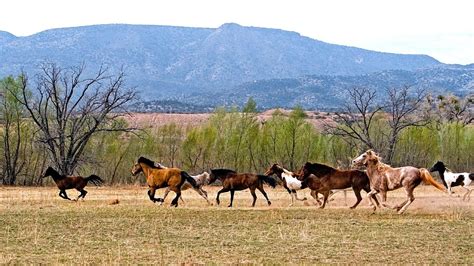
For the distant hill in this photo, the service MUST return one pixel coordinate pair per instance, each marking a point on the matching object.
(180, 63)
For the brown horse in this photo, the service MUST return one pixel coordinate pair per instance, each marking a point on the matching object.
(156, 178)
(328, 178)
(68, 182)
(232, 181)
(384, 178)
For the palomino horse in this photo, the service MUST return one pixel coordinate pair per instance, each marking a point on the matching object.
(156, 178)
(384, 178)
(67, 182)
(328, 178)
(451, 179)
(232, 181)
(290, 183)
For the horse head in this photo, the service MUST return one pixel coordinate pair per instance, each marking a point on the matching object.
(365, 158)
(274, 169)
(219, 173)
(305, 171)
(50, 172)
(438, 166)
(137, 168)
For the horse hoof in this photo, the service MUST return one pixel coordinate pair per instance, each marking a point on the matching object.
(269, 203)
(352, 207)
(230, 206)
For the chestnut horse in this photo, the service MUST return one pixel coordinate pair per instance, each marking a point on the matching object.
(232, 181)
(328, 178)
(156, 178)
(68, 182)
(384, 178)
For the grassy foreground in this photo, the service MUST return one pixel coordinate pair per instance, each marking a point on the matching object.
(36, 226)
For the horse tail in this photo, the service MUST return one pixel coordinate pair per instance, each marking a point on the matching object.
(95, 180)
(426, 176)
(189, 178)
(269, 180)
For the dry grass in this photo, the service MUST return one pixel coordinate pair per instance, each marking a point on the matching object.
(36, 226)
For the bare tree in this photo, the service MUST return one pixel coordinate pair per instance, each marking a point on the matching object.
(403, 108)
(69, 109)
(451, 108)
(355, 122)
(400, 109)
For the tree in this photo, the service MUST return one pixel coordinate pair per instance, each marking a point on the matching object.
(399, 110)
(450, 108)
(69, 109)
(11, 112)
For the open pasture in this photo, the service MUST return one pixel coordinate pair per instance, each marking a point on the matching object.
(37, 226)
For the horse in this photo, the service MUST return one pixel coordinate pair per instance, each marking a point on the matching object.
(156, 178)
(290, 183)
(68, 182)
(384, 178)
(451, 179)
(232, 181)
(329, 178)
(201, 180)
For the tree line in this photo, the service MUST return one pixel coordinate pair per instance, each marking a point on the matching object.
(72, 121)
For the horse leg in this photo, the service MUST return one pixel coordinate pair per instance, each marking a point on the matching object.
(151, 195)
(203, 194)
(260, 188)
(175, 200)
(254, 196)
(384, 203)
(314, 194)
(232, 197)
(63, 194)
(325, 199)
(467, 195)
(371, 194)
(218, 193)
(411, 198)
(165, 195)
(296, 196)
(358, 196)
(292, 198)
(83, 194)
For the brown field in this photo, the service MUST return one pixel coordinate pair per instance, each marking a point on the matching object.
(36, 226)
(153, 120)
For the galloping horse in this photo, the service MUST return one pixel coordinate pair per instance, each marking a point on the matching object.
(451, 179)
(329, 178)
(232, 181)
(384, 178)
(67, 182)
(290, 183)
(201, 180)
(156, 178)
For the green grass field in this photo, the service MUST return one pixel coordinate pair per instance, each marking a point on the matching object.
(36, 226)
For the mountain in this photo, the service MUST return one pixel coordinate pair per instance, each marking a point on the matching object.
(210, 65)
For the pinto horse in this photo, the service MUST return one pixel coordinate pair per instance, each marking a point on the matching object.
(384, 178)
(232, 181)
(328, 178)
(156, 178)
(290, 183)
(451, 179)
(68, 182)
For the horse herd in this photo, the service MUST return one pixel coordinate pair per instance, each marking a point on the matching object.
(378, 179)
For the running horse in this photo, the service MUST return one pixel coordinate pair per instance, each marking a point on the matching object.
(232, 181)
(329, 178)
(290, 182)
(156, 178)
(385, 178)
(68, 182)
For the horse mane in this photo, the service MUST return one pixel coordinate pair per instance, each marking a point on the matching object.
(148, 162)
(380, 165)
(53, 173)
(321, 169)
(222, 172)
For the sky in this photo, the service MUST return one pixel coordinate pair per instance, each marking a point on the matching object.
(442, 29)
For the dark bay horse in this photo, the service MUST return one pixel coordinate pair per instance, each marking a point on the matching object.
(157, 177)
(385, 178)
(68, 182)
(232, 181)
(328, 178)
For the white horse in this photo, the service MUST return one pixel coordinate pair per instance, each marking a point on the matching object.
(201, 180)
(451, 179)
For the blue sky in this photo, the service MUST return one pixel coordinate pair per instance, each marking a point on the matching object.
(442, 29)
